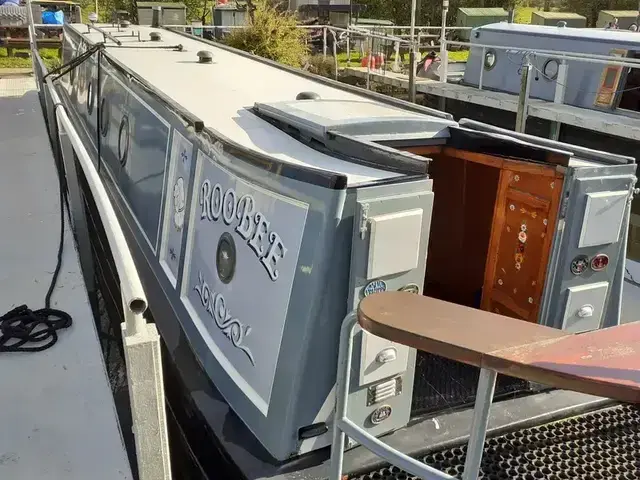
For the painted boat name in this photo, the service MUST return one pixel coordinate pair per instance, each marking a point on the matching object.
(252, 226)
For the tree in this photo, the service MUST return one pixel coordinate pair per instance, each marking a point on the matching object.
(272, 33)
(198, 10)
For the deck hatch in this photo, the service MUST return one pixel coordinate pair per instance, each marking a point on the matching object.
(358, 130)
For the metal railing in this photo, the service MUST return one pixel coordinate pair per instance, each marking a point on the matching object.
(343, 427)
(141, 340)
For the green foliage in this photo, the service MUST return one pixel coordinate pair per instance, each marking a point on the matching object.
(271, 34)
(428, 12)
(591, 8)
(199, 10)
(49, 56)
(320, 65)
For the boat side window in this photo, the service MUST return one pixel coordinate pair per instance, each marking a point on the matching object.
(630, 95)
(609, 82)
(490, 59)
(105, 113)
(90, 96)
(123, 140)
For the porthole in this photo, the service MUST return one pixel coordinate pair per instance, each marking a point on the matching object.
(490, 59)
(105, 114)
(550, 69)
(226, 258)
(90, 97)
(123, 140)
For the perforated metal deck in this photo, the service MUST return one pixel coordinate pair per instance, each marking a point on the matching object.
(602, 445)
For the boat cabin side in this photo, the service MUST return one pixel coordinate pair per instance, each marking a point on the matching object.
(588, 85)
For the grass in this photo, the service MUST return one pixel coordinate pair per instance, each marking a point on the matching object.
(49, 56)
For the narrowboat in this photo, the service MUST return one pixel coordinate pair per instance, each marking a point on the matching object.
(262, 203)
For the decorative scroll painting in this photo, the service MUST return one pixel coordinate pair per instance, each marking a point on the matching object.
(176, 205)
(242, 254)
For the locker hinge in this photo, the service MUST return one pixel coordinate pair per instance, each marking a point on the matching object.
(364, 217)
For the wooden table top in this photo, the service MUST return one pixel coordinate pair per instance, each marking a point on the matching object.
(603, 362)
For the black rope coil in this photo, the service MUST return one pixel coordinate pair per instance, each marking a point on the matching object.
(21, 326)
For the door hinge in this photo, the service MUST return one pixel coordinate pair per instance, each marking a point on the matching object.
(364, 218)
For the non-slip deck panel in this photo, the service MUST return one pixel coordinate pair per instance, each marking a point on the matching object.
(603, 445)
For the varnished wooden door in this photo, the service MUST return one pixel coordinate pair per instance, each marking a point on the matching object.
(525, 216)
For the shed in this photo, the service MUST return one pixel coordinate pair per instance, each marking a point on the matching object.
(626, 18)
(229, 15)
(476, 17)
(553, 18)
(173, 13)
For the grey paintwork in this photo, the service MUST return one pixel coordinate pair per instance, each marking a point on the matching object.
(578, 183)
(314, 309)
(306, 362)
(56, 408)
(583, 79)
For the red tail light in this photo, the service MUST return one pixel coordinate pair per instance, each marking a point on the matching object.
(599, 262)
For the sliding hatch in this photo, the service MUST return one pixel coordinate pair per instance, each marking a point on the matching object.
(361, 132)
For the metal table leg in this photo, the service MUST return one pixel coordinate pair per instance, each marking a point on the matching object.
(484, 398)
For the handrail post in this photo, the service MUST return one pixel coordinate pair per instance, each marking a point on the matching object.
(523, 99)
(324, 42)
(444, 61)
(484, 52)
(561, 83)
(348, 48)
(369, 59)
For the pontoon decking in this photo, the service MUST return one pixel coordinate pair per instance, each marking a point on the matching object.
(57, 415)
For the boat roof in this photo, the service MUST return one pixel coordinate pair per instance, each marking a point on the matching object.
(223, 94)
(595, 34)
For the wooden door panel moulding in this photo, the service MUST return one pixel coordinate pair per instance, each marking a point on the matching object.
(499, 214)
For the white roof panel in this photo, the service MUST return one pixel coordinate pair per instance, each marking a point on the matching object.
(222, 92)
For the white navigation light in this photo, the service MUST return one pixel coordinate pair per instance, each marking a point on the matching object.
(387, 355)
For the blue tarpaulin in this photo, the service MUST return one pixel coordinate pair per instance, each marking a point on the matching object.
(53, 18)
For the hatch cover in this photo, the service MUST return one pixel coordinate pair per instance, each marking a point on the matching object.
(365, 120)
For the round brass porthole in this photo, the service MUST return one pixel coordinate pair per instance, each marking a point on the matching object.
(490, 59)
(226, 258)
(123, 140)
